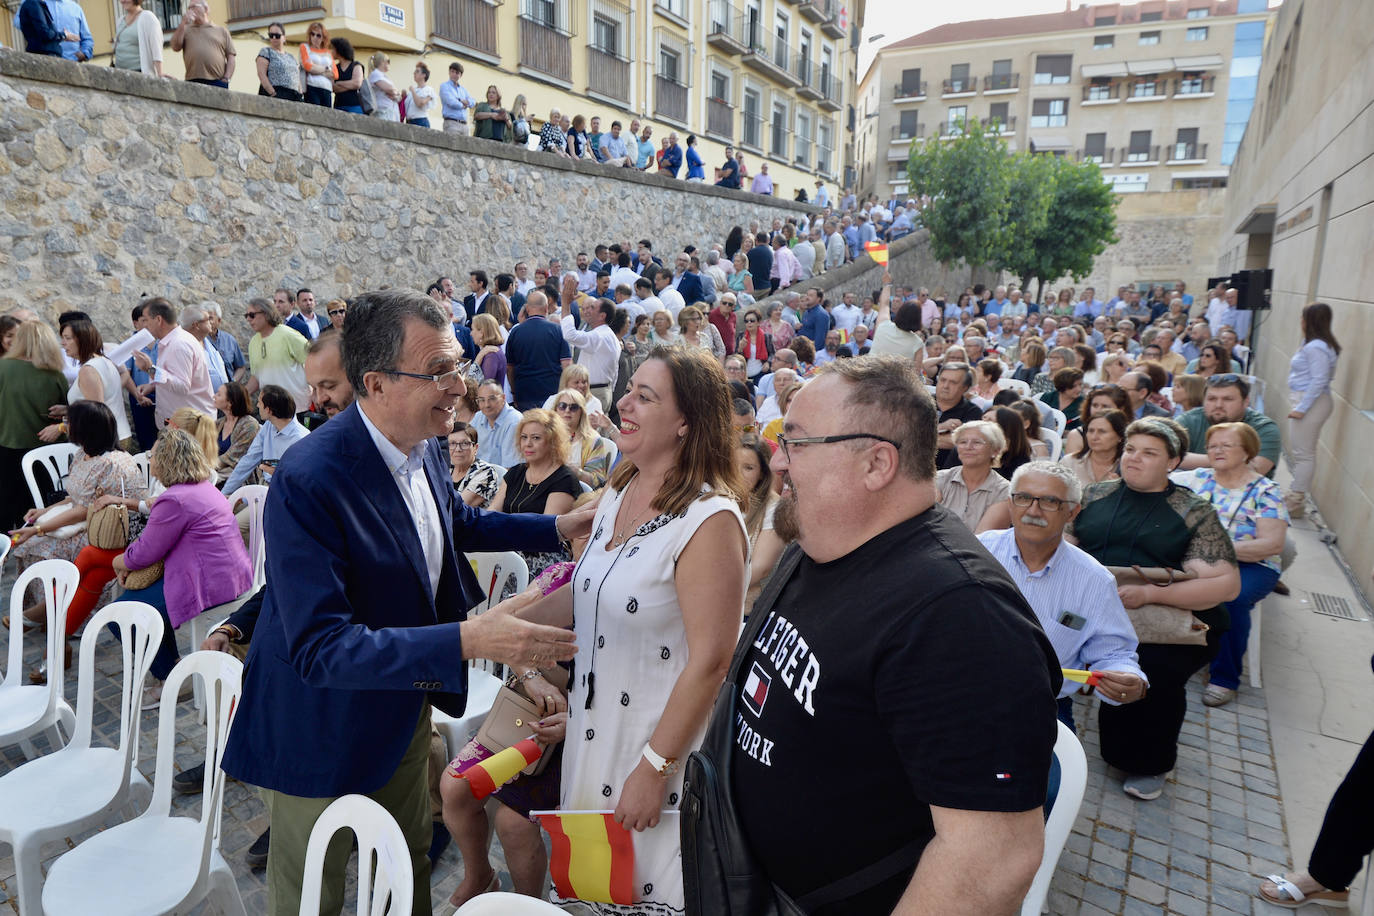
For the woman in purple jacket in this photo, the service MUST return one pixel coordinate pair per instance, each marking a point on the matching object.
(193, 532)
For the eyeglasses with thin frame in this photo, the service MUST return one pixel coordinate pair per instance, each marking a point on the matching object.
(786, 444)
(444, 382)
(1047, 503)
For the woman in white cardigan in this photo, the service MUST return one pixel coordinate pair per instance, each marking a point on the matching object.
(138, 39)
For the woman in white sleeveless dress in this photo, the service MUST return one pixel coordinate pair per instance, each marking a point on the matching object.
(656, 603)
(97, 380)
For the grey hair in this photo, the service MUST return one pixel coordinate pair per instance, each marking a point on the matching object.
(1073, 487)
(712, 257)
(990, 433)
(191, 314)
(375, 331)
(792, 297)
(571, 275)
(213, 308)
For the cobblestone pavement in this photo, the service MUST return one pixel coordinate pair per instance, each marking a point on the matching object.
(1193, 852)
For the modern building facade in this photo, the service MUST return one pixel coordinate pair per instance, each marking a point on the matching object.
(775, 78)
(1301, 202)
(1157, 92)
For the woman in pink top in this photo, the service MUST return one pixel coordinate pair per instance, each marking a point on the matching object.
(193, 532)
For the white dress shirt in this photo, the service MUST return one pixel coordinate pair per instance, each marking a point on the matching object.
(672, 301)
(599, 351)
(408, 473)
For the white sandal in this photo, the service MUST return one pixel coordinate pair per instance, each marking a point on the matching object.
(1291, 897)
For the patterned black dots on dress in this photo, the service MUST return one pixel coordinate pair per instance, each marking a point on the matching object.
(664, 654)
(605, 791)
(632, 605)
(601, 642)
(591, 733)
(586, 584)
(633, 550)
(648, 889)
(624, 699)
(672, 798)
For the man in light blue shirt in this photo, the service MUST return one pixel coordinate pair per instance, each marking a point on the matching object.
(1088, 304)
(1074, 597)
(279, 432)
(645, 159)
(67, 16)
(497, 427)
(997, 302)
(613, 149)
(455, 101)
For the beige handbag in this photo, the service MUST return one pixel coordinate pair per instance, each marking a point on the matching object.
(108, 528)
(512, 717)
(1161, 624)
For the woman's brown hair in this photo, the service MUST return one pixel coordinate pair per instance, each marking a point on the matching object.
(1316, 325)
(88, 340)
(761, 495)
(706, 456)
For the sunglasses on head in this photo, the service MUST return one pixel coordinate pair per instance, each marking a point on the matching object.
(1229, 378)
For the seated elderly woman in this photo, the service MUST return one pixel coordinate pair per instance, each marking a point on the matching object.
(1058, 358)
(1145, 520)
(476, 481)
(1114, 367)
(577, 377)
(1252, 509)
(971, 487)
(235, 429)
(193, 533)
(589, 454)
(543, 483)
(59, 531)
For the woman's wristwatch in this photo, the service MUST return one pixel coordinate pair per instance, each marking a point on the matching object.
(666, 766)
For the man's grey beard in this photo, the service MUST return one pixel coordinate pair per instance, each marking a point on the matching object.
(785, 523)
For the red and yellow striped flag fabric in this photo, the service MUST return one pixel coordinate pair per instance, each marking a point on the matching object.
(486, 776)
(877, 251)
(593, 857)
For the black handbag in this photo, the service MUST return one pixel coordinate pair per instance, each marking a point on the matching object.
(720, 876)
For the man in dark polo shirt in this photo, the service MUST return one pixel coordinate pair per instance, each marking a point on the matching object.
(951, 386)
(535, 354)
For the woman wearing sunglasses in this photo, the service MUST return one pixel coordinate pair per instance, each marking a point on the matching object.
(278, 72)
(589, 455)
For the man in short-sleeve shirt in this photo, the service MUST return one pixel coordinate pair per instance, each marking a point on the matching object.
(535, 355)
(1227, 400)
(862, 737)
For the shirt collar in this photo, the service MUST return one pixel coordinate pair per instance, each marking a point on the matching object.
(396, 461)
(1047, 568)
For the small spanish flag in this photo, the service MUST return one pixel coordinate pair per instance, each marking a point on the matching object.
(877, 251)
(486, 776)
(845, 336)
(1091, 678)
(593, 857)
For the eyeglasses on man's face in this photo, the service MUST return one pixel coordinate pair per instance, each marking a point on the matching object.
(1047, 503)
(786, 444)
(444, 382)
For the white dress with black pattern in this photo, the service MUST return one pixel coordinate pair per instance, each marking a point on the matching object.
(632, 648)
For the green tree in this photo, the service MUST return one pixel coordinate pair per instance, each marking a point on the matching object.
(1030, 193)
(967, 180)
(1080, 224)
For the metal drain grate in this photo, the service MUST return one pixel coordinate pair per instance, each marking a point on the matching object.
(1332, 606)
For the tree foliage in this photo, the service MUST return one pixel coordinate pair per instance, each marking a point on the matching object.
(1037, 216)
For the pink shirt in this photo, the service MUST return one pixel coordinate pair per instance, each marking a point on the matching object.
(786, 267)
(183, 376)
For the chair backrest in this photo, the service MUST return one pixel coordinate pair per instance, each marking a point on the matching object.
(223, 679)
(140, 629)
(1015, 384)
(390, 889)
(1059, 420)
(55, 458)
(1073, 780)
(144, 462)
(1054, 441)
(57, 580)
(494, 570)
(500, 903)
(254, 497)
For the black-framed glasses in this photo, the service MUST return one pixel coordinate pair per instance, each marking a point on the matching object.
(786, 444)
(444, 382)
(462, 444)
(1047, 503)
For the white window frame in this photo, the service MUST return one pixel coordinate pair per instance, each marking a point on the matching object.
(562, 14)
(1149, 38)
(950, 129)
(1051, 119)
(1098, 42)
(1197, 33)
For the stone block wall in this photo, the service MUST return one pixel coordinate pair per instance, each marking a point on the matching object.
(114, 186)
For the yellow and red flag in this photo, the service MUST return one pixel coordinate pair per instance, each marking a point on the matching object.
(877, 251)
(593, 857)
(1091, 678)
(486, 776)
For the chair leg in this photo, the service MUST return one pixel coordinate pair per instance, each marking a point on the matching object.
(28, 874)
(67, 717)
(30, 752)
(140, 795)
(224, 890)
(54, 736)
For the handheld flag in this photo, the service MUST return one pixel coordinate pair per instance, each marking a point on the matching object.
(486, 776)
(877, 251)
(593, 857)
(1091, 678)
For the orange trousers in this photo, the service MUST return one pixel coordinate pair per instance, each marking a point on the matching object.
(97, 569)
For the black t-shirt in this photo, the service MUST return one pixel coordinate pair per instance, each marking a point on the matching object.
(535, 350)
(929, 684)
(351, 97)
(760, 259)
(729, 177)
(521, 497)
(966, 412)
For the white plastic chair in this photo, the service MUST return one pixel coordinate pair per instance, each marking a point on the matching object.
(377, 832)
(1073, 780)
(144, 462)
(1015, 384)
(1252, 647)
(80, 785)
(1053, 440)
(55, 458)
(494, 570)
(482, 690)
(158, 863)
(500, 903)
(1058, 419)
(201, 625)
(26, 709)
(255, 497)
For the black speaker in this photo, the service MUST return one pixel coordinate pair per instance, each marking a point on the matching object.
(1252, 288)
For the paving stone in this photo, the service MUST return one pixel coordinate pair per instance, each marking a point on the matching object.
(1148, 891)
(1184, 905)
(1103, 897)
(1149, 849)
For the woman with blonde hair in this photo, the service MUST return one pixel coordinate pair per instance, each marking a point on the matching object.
(201, 428)
(696, 331)
(490, 358)
(542, 483)
(577, 378)
(498, 307)
(590, 454)
(970, 488)
(384, 92)
(31, 381)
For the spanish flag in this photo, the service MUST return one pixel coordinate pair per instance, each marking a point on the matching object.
(593, 857)
(1091, 678)
(486, 776)
(877, 251)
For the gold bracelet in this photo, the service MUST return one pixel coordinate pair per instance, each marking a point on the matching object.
(37, 527)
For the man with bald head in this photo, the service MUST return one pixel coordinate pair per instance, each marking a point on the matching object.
(535, 354)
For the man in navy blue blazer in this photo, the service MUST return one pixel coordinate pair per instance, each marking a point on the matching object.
(363, 625)
(686, 282)
(306, 321)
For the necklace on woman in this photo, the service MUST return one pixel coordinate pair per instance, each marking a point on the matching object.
(622, 533)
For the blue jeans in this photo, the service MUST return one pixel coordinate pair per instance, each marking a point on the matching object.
(1256, 581)
(167, 656)
(356, 109)
(1065, 716)
(317, 95)
(418, 122)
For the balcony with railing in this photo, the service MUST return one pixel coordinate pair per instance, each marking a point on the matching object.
(909, 92)
(725, 28)
(778, 135)
(1101, 93)
(817, 10)
(829, 89)
(1181, 153)
(953, 128)
(1000, 126)
(247, 9)
(1002, 82)
(831, 26)
(1104, 157)
(772, 58)
(720, 119)
(809, 78)
(545, 50)
(965, 86)
(1148, 90)
(752, 131)
(904, 132)
(1198, 87)
(608, 74)
(469, 23)
(1139, 155)
(670, 100)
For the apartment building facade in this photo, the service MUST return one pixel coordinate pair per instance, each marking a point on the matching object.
(1157, 92)
(774, 78)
